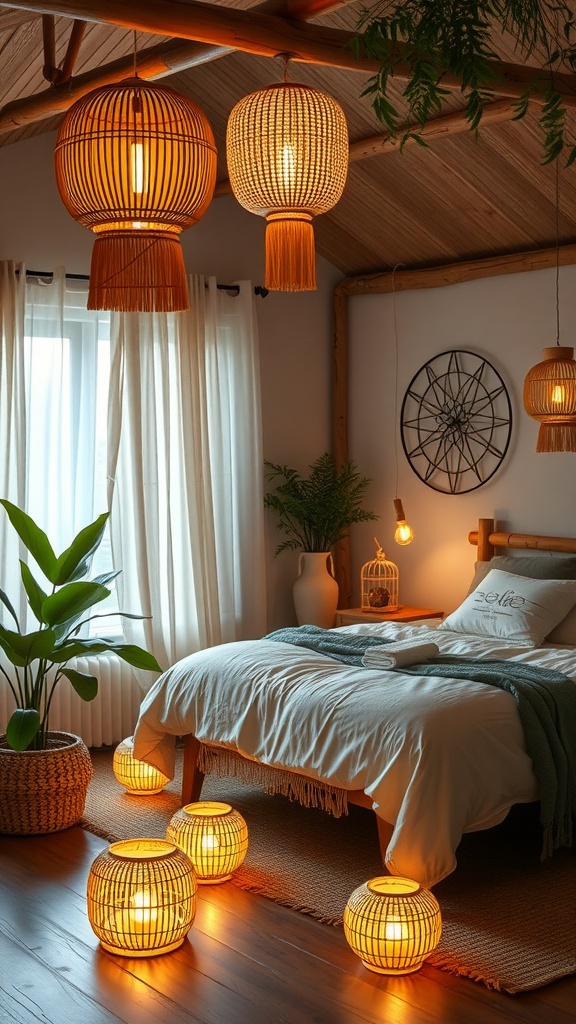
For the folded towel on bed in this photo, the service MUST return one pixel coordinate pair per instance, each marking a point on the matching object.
(391, 656)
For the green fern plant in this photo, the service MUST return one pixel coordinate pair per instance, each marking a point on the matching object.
(39, 659)
(315, 512)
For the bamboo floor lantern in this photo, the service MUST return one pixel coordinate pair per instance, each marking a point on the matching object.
(392, 924)
(141, 897)
(287, 151)
(215, 837)
(136, 163)
(138, 777)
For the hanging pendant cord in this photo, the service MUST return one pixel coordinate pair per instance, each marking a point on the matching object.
(557, 251)
(396, 426)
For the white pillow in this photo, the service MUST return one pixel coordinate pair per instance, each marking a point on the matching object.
(513, 607)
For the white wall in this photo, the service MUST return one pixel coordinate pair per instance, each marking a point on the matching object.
(507, 320)
(295, 330)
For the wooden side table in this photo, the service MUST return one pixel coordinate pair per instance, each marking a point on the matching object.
(405, 613)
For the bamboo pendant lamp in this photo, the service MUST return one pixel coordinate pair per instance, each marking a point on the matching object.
(136, 163)
(287, 150)
(550, 397)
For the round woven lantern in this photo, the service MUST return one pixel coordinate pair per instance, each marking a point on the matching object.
(138, 777)
(214, 836)
(287, 151)
(550, 397)
(141, 897)
(392, 924)
(136, 163)
(379, 583)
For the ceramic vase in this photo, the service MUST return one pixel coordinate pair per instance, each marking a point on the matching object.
(315, 590)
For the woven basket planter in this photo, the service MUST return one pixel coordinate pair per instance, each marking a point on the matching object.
(43, 790)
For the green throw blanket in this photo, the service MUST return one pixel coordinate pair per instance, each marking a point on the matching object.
(546, 704)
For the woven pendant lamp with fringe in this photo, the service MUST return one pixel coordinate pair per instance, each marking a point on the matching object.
(287, 150)
(550, 397)
(136, 163)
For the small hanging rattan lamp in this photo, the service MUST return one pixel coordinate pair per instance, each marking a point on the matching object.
(136, 163)
(550, 397)
(287, 150)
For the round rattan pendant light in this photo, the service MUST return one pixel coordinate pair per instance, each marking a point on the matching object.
(136, 163)
(550, 397)
(287, 150)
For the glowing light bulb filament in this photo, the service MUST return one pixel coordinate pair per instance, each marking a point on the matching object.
(288, 164)
(558, 395)
(137, 167)
(145, 908)
(209, 841)
(394, 931)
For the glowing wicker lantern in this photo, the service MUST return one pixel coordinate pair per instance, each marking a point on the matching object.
(139, 778)
(392, 924)
(379, 583)
(550, 397)
(214, 836)
(136, 163)
(141, 897)
(287, 150)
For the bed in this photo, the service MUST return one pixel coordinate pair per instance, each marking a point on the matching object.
(434, 756)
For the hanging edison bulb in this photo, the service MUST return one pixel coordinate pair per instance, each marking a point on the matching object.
(404, 534)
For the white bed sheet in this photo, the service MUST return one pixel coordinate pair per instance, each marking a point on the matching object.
(438, 757)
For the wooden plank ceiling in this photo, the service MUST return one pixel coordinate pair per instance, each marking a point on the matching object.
(461, 198)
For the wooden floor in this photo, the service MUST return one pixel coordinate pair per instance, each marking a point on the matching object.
(246, 961)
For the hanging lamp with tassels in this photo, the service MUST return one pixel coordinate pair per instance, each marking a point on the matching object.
(136, 163)
(550, 397)
(287, 150)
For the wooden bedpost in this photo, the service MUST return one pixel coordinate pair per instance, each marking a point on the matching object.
(192, 777)
(485, 547)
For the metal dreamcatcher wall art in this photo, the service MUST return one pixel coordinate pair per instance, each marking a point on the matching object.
(456, 422)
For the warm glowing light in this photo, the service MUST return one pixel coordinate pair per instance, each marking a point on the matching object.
(550, 398)
(288, 169)
(213, 835)
(137, 167)
(141, 897)
(138, 777)
(404, 534)
(392, 924)
(558, 394)
(287, 149)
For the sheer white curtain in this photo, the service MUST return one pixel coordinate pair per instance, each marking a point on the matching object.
(12, 412)
(185, 472)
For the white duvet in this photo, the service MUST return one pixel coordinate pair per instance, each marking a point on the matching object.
(438, 757)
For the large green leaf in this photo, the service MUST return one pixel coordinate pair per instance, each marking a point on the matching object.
(33, 538)
(21, 650)
(77, 556)
(136, 656)
(8, 604)
(78, 649)
(36, 596)
(22, 728)
(71, 601)
(86, 686)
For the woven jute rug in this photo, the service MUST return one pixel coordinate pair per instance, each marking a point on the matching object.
(509, 920)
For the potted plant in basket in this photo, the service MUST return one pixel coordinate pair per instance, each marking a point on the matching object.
(44, 776)
(315, 513)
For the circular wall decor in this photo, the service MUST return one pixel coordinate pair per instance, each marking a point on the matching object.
(456, 422)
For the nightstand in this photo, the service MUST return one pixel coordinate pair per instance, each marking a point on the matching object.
(405, 613)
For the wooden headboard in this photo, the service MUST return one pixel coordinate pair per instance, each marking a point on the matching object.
(487, 540)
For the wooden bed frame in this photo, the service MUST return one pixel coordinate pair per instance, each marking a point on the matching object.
(487, 541)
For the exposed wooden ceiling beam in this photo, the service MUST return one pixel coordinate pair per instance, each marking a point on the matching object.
(153, 63)
(268, 35)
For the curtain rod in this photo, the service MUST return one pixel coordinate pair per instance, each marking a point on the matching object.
(258, 288)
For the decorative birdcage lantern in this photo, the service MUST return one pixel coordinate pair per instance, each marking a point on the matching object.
(379, 583)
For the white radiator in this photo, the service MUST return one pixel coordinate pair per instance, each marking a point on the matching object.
(107, 719)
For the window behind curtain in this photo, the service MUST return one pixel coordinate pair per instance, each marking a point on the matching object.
(67, 367)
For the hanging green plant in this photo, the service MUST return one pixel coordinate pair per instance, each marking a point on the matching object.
(432, 39)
